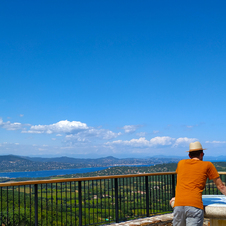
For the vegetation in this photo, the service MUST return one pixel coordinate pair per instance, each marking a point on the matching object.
(58, 204)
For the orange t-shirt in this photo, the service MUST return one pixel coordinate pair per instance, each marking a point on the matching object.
(191, 180)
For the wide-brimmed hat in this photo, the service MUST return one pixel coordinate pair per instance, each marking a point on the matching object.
(196, 146)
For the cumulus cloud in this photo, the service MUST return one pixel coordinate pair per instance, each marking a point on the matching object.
(142, 142)
(93, 133)
(130, 128)
(215, 142)
(184, 141)
(64, 126)
(11, 126)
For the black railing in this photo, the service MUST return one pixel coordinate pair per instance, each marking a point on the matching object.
(88, 201)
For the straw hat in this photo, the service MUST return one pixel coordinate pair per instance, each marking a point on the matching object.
(196, 146)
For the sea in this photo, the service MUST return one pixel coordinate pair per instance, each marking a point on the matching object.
(48, 173)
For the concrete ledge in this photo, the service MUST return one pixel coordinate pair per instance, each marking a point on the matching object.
(165, 219)
(160, 220)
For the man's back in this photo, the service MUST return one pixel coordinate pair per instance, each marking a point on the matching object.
(191, 180)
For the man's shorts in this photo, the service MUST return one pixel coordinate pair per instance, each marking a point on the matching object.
(187, 216)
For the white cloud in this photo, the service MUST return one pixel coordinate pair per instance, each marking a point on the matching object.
(215, 142)
(59, 127)
(142, 142)
(141, 134)
(130, 128)
(162, 140)
(21, 115)
(184, 141)
(11, 126)
(155, 131)
(84, 136)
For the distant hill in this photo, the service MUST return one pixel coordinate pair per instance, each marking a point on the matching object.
(12, 163)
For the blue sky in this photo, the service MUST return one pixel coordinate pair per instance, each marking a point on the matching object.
(122, 78)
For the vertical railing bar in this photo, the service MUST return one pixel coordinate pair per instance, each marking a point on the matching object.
(89, 201)
(173, 184)
(30, 203)
(75, 199)
(7, 196)
(101, 196)
(119, 198)
(19, 202)
(70, 203)
(51, 191)
(123, 192)
(159, 193)
(108, 201)
(140, 207)
(93, 199)
(61, 203)
(97, 199)
(147, 196)
(153, 194)
(161, 184)
(66, 199)
(167, 192)
(56, 204)
(80, 202)
(41, 204)
(143, 196)
(134, 197)
(130, 182)
(137, 188)
(13, 204)
(25, 217)
(84, 199)
(105, 212)
(46, 204)
(116, 201)
(1, 205)
(127, 187)
(164, 192)
(36, 204)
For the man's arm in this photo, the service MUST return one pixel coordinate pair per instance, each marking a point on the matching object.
(220, 185)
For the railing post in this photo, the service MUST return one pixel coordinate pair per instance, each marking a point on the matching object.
(147, 196)
(80, 202)
(173, 185)
(116, 201)
(36, 205)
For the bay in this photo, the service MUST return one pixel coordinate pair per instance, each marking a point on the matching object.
(48, 173)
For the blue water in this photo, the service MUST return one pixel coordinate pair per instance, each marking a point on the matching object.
(214, 200)
(48, 173)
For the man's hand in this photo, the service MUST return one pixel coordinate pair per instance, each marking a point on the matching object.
(172, 201)
(220, 185)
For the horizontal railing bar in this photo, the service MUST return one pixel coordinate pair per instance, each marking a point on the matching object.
(64, 180)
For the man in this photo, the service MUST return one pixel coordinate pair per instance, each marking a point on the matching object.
(191, 180)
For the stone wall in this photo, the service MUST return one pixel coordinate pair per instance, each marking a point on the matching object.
(160, 220)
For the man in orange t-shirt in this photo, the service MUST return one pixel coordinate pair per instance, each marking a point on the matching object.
(191, 180)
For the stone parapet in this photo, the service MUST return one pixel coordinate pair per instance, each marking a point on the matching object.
(165, 219)
(160, 220)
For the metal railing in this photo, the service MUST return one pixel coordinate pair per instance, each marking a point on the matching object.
(89, 200)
